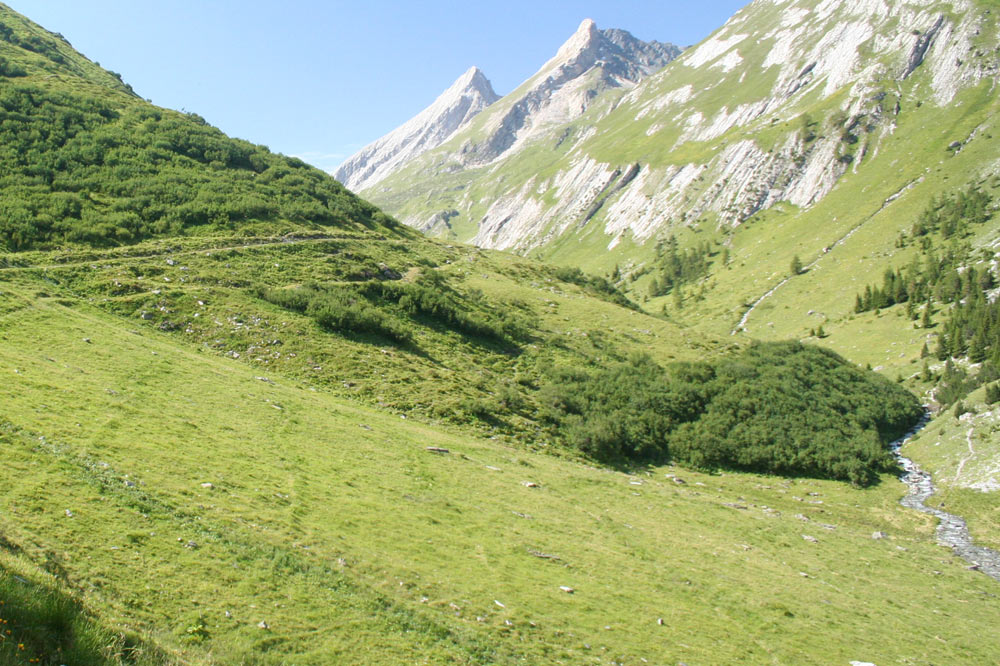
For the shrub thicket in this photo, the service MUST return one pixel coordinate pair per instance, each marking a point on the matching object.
(780, 408)
(393, 309)
(595, 285)
(79, 169)
(339, 309)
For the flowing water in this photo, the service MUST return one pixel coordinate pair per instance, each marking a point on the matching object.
(951, 531)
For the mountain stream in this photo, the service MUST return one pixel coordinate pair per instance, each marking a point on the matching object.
(952, 530)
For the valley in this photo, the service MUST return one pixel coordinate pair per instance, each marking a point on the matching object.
(321, 514)
(608, 370)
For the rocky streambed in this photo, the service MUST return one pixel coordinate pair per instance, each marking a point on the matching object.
(952, 530)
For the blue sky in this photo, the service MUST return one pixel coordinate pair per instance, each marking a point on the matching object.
(321, 79)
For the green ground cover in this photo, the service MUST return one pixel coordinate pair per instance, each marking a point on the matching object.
(330, 522)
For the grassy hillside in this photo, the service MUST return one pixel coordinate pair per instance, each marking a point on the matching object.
(88, 162)
(720, 137)
(334, 525)
(250, 419)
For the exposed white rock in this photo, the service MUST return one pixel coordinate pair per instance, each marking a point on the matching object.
(452, 110)
(729, 61)
(711, 159)
(711, 48)
(672, 98)
(590, 62)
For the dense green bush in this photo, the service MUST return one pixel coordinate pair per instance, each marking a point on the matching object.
(339, 309)
(430, 298)
(782, 408)
(80, 169)
(792, 409)
(10, 70)
(393, 309)
(595, 285)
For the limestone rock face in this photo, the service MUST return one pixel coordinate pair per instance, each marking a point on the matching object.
(451, 111)
(590, 62)
(776, 107)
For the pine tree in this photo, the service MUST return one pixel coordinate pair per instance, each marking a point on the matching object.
(977, 348)
(924, 351)
(925, 321)
(678, 298)
(796, 266)
(941, 350)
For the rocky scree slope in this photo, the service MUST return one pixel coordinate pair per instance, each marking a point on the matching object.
(776, 106)
(453, 109)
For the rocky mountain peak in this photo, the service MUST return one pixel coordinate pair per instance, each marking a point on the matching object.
(617, 51)
(585, 37)
(588, 63)
(472, 80)
(453, 109)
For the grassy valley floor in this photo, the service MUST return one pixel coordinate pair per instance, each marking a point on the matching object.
(329, 531)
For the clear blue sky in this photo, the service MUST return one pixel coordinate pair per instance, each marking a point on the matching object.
(320, 79)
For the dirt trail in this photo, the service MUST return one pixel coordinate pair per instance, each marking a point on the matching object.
(972, 453)
(249, 243)
(740, 327)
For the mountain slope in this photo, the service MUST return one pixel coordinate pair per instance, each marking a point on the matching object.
(253, 446)
(452, 110)
(231, 512)
(590, 63)
(87, 161)
(774, 107)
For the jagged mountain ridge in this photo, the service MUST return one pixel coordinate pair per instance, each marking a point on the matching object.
(589, 63)
(453, 109)
(714, 135)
